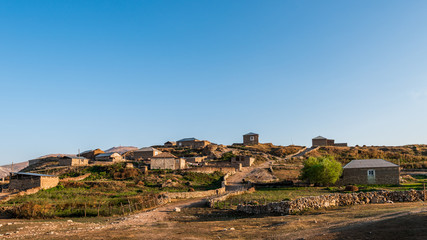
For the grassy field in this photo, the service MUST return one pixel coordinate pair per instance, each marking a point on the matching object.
(109, 190)
(264, 195)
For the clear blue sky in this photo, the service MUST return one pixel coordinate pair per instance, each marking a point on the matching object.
(87, 74)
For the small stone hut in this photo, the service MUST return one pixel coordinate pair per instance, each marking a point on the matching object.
(167, 160)
(320, 141)
(192, 143)
(246, 161)
(370, 171)
(251, 138)
(91, 154)
(109, 157)
(23, 181)
(73, 161)
(145, 153)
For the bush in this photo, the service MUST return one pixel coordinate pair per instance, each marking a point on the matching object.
(321, 170)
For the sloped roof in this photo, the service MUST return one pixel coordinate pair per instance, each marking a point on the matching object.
(187, 139)
(251, 133)
(369, 163)
(319, 137)
(106, 154)
(165, 155)
(146, 149)
(33, 174)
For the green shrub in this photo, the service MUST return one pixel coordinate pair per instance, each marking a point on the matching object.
(321, 170)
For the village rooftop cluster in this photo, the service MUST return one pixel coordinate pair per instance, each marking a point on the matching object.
(371, 171)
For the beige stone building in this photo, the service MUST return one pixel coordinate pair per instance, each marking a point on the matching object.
(109, 157)
(22, 181)
(320, 141)
(192, 143)
(167, 161)
(246, 161)
(73, 161)
(145, 153)
(91, 154)
(251, 138)
(370, 171)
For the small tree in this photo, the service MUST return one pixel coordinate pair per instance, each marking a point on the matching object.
(321, 170)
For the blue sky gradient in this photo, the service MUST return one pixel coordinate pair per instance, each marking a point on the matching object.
(87, 74)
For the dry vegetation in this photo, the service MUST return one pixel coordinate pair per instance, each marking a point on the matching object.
(409, 156)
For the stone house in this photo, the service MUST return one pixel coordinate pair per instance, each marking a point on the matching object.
(23, 181)
(73, 161)
(250, 138)
(370, 171)
(109, 157)
(167, 160)
(170, 144)
(145, 153)
(246, 161)
(91, 154)
(192, 143)
(322, 141)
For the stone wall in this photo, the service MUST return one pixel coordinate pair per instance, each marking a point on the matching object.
(230, 170)
(339, 199)
(79, 178)
(197, 194)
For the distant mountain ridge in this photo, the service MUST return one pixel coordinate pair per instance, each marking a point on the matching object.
(121, 149)
(6, 169)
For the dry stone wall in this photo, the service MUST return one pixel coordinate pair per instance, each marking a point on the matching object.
(339, 199)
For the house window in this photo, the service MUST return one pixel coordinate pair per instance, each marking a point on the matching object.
(371, 173)
(252, 138)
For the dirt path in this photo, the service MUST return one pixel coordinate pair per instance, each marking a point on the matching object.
(158, 214)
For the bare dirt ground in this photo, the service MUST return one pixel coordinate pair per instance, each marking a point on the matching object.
(375, 221)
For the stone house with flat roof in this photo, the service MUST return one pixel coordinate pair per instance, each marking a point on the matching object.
(320, 141)
(73, 161)
(246, 161)
(23, 181)
(370, 171)
(109, 157)
(145, 153)
(167, 160)
(192, 143)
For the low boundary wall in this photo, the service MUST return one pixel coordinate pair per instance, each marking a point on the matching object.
(338, 199)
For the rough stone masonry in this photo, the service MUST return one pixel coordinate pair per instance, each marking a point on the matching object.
(338, 199)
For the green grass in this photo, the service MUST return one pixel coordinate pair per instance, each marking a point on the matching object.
(265, 195)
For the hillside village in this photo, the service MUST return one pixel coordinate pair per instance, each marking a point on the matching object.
(244, 177)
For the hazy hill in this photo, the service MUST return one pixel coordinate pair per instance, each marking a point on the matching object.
(121, 149)
(5, 169)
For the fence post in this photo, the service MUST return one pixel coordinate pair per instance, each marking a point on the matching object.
(424, 184)
(123, 209)
(85, 209)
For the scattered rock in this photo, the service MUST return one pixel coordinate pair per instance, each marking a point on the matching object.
(177, 209)
(232, 229)
(70, 221)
